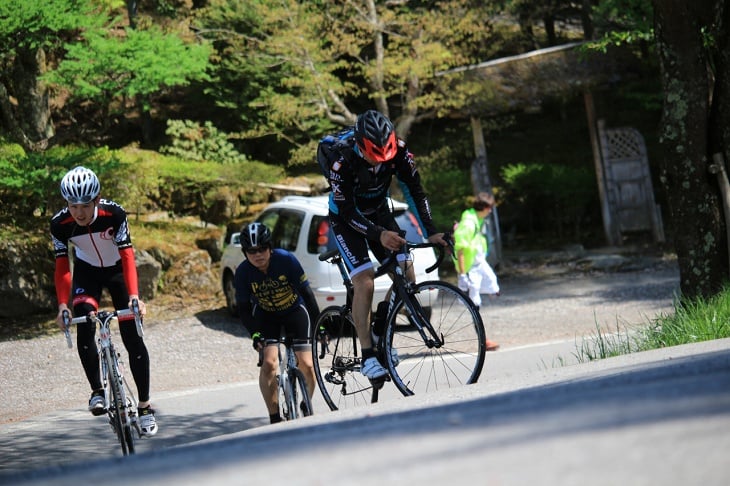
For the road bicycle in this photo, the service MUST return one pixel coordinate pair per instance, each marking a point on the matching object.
(433, 337)
(291, 382)
(119, 401)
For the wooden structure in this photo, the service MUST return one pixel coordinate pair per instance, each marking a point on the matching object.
(521, 82)
(628, 190)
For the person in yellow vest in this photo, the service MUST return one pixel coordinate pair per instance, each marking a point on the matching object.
(476, 276)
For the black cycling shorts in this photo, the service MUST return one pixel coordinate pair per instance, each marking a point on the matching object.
(354, 246)
(296, 327)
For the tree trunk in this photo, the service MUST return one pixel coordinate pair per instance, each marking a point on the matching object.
(34, 111)
(693, 194)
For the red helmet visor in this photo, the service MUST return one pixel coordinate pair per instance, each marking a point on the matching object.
(380, 154)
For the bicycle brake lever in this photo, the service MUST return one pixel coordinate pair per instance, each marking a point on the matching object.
(137, 318)
(66, 316)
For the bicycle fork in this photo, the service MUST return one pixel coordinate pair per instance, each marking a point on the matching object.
(111, 357)
(417, 318)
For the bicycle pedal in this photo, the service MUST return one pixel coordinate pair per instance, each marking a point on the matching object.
(379, 382)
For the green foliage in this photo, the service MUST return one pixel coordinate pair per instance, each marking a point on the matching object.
(694, 320)
(140, 180)
(29, 182)
(622, 22)
(41, 25)
(448, 186)
(306, 67)
(551, 197)
(190, 141)
(107, 67)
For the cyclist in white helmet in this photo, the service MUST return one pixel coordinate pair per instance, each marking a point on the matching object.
(103, 258)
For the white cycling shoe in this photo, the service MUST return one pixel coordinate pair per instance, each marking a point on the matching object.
(147, 422)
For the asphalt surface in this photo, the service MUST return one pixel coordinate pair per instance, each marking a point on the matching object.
(537, 416)
(658, 417)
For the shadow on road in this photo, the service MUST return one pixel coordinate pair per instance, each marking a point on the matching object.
(686, 390)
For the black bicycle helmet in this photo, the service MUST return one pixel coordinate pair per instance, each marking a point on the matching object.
(375, 136)
(254, 235)
(80, 186)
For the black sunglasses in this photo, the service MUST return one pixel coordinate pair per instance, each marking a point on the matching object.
(81, 199)
(253, 251)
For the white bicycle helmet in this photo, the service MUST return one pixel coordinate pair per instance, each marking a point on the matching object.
(80, 186)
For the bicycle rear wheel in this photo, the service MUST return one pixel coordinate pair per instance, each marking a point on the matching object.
(337, 358)
(455, 354)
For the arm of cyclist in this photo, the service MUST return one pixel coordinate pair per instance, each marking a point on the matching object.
(438, 238)
(391, 240)
(129, 269)
(310, 302)
(342, 180)
(409, 180)
(62, 279)
(245, 311)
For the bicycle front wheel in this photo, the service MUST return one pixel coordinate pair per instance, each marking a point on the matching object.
(337, 359)
(118, 407)
(451, 351)
(299, 388)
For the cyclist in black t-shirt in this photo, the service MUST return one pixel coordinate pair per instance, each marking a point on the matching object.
(272, 290)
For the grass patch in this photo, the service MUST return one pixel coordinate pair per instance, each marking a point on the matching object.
(701, 319)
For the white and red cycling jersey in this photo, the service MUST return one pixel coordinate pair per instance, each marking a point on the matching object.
(102, 244)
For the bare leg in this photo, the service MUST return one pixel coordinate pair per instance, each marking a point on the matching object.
(305, 365)
(362, 302)
(267, 379)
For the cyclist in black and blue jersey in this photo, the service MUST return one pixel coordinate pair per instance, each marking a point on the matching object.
(360, 177)
(272, 289)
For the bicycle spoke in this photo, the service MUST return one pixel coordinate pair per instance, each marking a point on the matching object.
(338, 370)
(455, 359)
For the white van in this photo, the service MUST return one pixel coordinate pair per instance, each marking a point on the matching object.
(300, 224)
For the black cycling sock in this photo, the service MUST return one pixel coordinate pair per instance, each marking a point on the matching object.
(275, 418)
(367, 353)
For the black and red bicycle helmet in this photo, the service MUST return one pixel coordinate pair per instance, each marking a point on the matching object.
(375, 136)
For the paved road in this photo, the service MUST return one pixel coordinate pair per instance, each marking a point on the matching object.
(659, 417)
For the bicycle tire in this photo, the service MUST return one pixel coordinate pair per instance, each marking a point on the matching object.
(339, 379)
(299, 387)
(116, 405)
(455, 319)
(128, 424)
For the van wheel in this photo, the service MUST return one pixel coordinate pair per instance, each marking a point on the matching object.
(230, 292)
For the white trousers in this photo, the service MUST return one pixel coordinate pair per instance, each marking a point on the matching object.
(482, 280)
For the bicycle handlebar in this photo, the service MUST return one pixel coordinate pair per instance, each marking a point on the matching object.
(101, 316)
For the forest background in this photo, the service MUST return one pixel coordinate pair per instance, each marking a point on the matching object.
(185, 107)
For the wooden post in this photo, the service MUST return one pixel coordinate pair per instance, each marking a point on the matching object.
(479, 174)
(481, 182)
(592, 130)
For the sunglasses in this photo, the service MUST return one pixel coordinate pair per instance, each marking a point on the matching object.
(254, 251)
(80, 200)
